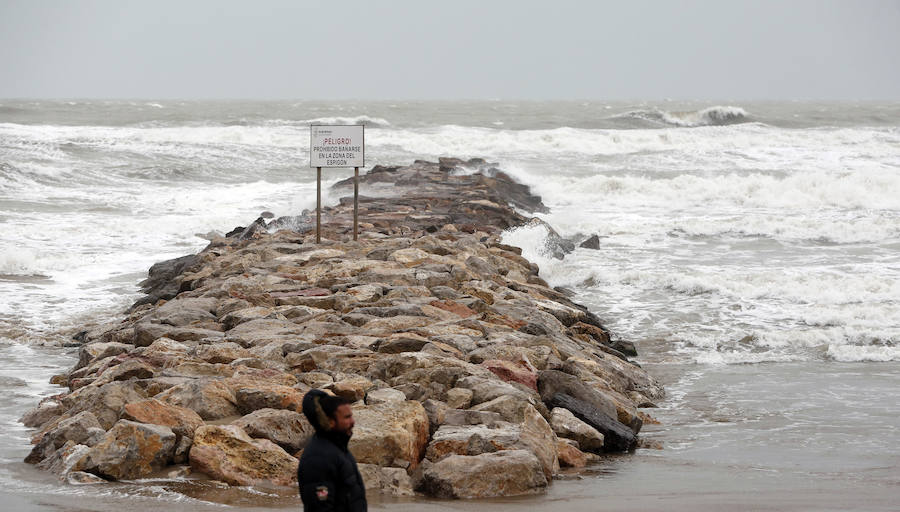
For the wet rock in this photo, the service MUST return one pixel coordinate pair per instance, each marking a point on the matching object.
(503, 473)
(82, 428)
(131, 450)
(616, 436)
(569, 455)
(94, 351)
(228, 454)
(592, 242)
(82, 478)
(105, 402)
(45, 412)
(552, 382)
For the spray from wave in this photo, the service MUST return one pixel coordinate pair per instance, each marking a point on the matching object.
(711, 116)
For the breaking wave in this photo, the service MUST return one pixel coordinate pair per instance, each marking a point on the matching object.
(711, 116)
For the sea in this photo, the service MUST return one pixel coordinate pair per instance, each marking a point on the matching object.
(750, 250)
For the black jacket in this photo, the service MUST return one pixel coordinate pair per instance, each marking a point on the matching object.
(328, 477)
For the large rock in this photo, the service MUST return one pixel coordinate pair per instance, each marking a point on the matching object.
(131, 450)
(211, 399)
(288, 429)
(228, 454)
(181, 420)
(81, 429)
(509, 371)
(45, 412)
(261, 395)
(566, 425)
(390, 434)
(616, 436)
(552, 382)
(532, 434)
(105, 402)
(503, 473)
(386, 481)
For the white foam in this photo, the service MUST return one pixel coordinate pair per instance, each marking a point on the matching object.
(855, 353)
(344, 120)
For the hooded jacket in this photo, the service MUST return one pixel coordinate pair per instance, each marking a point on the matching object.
(328, 476)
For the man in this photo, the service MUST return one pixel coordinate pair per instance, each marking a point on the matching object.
(328, 477)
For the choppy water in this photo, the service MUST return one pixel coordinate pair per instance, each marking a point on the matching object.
(752, 251)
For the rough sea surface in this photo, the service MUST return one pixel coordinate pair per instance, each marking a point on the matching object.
(750, 250)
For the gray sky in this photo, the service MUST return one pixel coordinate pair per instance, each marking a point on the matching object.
(450, 49)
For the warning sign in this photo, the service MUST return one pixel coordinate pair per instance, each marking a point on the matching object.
(337, 146)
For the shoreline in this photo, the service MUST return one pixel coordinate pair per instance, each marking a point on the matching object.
(458, 354)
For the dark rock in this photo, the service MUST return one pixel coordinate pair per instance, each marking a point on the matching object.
(552, 382)
(161, 283)
(616, 436)
(591, 243)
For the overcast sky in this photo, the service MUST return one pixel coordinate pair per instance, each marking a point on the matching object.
(455, 49)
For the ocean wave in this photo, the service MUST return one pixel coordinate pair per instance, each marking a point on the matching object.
(374, 122)
(711, 116)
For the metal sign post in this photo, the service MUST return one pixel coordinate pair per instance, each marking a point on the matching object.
(318, 205)
(355, 202)
(337, 146)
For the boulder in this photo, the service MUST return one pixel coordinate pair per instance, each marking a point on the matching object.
(288, 429)
(393, 482)
(616, 436)
(459, 398)
(532, 434)
(131, 450)
(45, 412)
(509, 371)
(569, 455)
(261, 395)
(93, 351)
(566, 425)
(228, 454)
(82, 428)
(509, 408)
(211, 399)
(105, 402)
(223, 353)
(503, 473)
(384, 396)
(181, 420)
(69, 457)
(127, 370)
(390, 434)
(551, 382)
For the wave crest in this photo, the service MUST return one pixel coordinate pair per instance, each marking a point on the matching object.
(374, 122)
(710, 116)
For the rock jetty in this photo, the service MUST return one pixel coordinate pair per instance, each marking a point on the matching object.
(471, 376)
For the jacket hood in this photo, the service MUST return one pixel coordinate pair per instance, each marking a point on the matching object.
(312, 409)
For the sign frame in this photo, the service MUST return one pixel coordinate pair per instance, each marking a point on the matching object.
(337, 134)
(338, 131)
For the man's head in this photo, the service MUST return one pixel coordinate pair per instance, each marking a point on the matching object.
(328, 413)
(340, 417)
